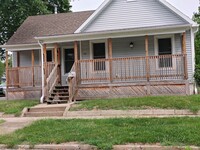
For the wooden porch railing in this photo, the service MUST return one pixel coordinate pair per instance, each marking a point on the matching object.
(24, 76)
(27, 76)
(132, 69)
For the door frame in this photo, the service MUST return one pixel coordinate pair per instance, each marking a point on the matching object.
(65, 75)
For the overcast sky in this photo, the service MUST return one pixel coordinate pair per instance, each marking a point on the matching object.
(186, 6)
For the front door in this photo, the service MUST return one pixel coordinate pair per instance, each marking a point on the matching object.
(68, 61)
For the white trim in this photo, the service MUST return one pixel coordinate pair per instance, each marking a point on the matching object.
(173, 48)
(93, 16)
(178, 12)
(98, 41)
(163, 37)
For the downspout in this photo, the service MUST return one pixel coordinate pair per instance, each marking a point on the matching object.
(42, 67)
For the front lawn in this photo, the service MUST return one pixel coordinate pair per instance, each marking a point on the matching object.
(104, 133)
(162, 102)
(2, 121)
(16, 106)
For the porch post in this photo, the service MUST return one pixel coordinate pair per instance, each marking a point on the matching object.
(147, 57)
(18, 65)
(184, 56)
(110, 58)
(45, 69)
(76, 60)
(33, 63)
(56, 53)
(7, 77)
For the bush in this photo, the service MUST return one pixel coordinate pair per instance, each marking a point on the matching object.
(197, 74)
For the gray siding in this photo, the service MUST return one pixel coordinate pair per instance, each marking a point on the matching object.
(121, 47)
(121, 14)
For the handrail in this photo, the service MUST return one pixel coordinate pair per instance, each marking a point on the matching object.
(52, 79)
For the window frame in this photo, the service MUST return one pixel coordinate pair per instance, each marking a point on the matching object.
(92, 54)
(156, 47)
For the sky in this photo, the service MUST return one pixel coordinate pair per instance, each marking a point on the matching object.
(188, 7)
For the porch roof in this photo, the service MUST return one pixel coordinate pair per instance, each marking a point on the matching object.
(48, 25)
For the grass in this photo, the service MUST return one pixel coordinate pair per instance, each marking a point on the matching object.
(15, 106)
(164, 102)
(104, 133)
(2, 121)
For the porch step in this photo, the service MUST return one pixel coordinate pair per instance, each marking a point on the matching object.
(47, 111)
(60, 94)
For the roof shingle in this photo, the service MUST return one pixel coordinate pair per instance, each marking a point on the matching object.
(48, 25)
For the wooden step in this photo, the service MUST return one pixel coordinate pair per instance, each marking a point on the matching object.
(61, 87)
(59, 97)
(60, 90)
(46, 109)
(56, 101)
(44, 114)
(61, 93)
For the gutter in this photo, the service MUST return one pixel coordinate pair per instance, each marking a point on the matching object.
(42, 67)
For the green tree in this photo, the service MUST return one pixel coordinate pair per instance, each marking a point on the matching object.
(2, 69)
(196, 18)
(14, 12)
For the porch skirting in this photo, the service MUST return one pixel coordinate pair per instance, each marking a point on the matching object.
(24, 93)
(125, 90)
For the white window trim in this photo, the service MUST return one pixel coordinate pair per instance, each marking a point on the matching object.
(173, 49)
(63, 57)
(106, 52)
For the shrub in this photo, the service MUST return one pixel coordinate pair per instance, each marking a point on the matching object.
(197, 74)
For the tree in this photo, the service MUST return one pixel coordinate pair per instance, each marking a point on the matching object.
(2, 69)
(14, 12)
(196, 18)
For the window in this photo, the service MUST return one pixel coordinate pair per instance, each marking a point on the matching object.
(49, 56)
(99, 52)
(165, 48)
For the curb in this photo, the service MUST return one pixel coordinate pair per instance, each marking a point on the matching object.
(67, 146)
(152, 147)
(76, 146)
(132, 113)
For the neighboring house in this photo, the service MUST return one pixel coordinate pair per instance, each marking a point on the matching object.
(125, 48)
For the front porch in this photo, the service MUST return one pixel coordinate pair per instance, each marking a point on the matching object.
(109, 74)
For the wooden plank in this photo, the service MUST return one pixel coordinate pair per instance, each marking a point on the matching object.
(33, 63)
(45, 63)
(185, 55)
(147, 57)
(110, 58)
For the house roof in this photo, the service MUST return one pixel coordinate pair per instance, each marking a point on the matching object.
(48, 25)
